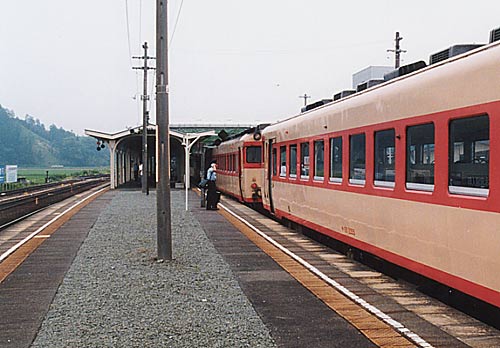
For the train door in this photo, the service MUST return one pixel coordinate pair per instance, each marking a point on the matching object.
(240, 162)
(270, 168)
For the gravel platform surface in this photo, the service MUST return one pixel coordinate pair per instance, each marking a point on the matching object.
(116, 295)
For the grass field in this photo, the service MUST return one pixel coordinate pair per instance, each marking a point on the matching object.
(38, 175)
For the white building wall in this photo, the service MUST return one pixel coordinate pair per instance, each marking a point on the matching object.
(370, 73)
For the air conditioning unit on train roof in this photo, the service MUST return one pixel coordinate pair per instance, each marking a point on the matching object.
(315, 105)
(404, 70)
(343, 94)
(495, 35)
(451, 52)
(368, 84)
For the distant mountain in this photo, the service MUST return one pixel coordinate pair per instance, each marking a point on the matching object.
(28, 143)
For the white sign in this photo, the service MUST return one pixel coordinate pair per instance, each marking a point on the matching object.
(11, 173)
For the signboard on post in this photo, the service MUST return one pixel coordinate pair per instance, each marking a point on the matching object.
(2, 175)
(10, 173)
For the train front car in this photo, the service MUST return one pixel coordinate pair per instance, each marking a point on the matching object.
(240, 164)
(407, 171)
(252, 175)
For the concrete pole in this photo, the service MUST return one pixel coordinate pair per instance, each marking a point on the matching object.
(144, 97)
(203, 174)
(187, 180)
(112, 163)
(163, 212)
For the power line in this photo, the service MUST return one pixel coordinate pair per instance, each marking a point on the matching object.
(131, 64)
(176, 21)
(128, 33)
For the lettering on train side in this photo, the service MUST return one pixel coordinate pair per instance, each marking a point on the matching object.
(348, 230)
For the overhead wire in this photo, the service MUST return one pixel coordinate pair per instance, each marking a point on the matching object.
(140, 43)
(138, 111)
(175, 24)
(128, 33)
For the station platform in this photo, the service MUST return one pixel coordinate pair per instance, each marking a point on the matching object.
(95, 283)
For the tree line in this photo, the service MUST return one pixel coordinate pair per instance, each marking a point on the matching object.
(29, 143)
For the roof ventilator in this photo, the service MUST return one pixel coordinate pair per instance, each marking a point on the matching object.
(343, 94)
(404, 70)
(451, 52)
(495, 35)
(315, 105)
(368, 84)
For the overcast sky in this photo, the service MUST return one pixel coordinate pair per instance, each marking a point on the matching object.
(67, 62)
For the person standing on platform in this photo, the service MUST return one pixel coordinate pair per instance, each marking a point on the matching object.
(136, 172)
(140, 171)
(212, 190)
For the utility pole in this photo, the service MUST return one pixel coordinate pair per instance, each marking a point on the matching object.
(397, 50)
(163, 213)
(145, 119)
(305, 96)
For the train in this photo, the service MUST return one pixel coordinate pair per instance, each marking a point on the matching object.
(240, 165)
(406, 170)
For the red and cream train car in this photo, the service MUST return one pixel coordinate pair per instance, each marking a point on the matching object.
(408, 170)
(240, 167)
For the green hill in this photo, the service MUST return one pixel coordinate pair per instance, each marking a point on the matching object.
(28, 143)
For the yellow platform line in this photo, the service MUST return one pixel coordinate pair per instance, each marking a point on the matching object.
(15, 259)
(377, 331)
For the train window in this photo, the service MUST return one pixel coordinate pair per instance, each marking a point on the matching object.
(275, 172)
(357, 159)
(385, 158)
(304, 160)
(254, 154)
(469, 154)
(420, 157)
(283, 161)
(293, 161)
(336, 159)
(319, 159)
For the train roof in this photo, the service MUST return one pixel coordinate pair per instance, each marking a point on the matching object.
(438, 73)
(248, 131)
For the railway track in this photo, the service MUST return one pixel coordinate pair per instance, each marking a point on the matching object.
(19, 239)
(17, 204)
(387, 311)
(30, 189)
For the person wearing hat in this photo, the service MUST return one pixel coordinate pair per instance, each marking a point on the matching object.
(212, 190)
